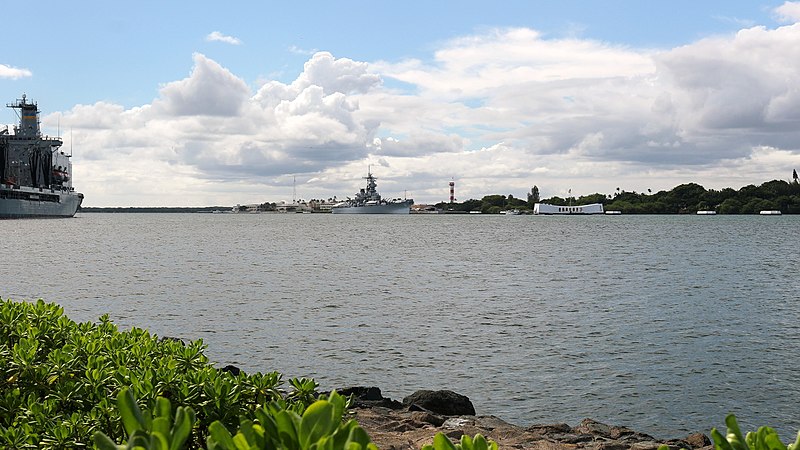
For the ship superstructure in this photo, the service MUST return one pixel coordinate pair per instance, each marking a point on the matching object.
(369, 201)
(35, 175)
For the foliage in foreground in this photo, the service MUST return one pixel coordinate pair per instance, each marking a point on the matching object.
(59, 380)
(442, 442)
(319, 427)
(765, 438)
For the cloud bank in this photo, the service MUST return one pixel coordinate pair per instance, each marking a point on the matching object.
(498, 112)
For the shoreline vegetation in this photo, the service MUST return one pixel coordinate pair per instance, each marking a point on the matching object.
(67, 385)
(775, 195)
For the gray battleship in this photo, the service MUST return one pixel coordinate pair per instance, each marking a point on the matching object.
(369, 201)
(35, 175)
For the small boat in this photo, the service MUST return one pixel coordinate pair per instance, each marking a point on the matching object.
(770, 212)
(706, 213)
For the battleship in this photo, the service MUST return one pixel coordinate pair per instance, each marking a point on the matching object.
(369, 201)
(35, 175)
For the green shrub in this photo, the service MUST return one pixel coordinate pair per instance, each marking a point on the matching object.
(442, 442)
(765, 438)
(150, 431)
(59, 379)
(320, 427)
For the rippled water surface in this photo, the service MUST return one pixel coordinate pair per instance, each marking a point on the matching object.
(663, 324)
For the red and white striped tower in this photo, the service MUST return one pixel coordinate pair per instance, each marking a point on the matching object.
(452, 191)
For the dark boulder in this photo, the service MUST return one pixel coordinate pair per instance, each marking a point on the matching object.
(367, 397)
(233, 370)
(698, 440)
(443, 402)
(362, 393)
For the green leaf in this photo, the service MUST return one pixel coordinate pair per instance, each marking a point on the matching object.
(288, 424)
(734, 436)
(241, 443)
(103, 442)
(466, 442)
(720, 443)
(139, 438)
(342, 434)
(442, 442)
(773, 442)
(480, 443)
(163, 408)
(220, 435)
(338, 403)
(161, 425)
(158, 441)
(184, 420)
(269, 424)
(317, 422)
(324, 443)
(132, 418)
(246, 430)
(796, 445)
(357, 435)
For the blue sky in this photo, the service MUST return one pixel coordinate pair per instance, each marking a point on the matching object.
(212, 104)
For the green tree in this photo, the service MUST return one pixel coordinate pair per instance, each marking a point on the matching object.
(555, 201)
(516, 203)
(686, 197)
(493, 200)
(794, 205)
(533, 197)
(591, 198)
(730, 206)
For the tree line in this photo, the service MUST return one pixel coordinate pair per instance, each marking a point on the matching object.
(686, 198)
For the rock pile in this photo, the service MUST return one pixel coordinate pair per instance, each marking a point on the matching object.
(413, 423)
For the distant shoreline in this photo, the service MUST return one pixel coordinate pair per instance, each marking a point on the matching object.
(154, 209)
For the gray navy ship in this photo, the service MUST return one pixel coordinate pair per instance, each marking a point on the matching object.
(35, 175)
(369, 201)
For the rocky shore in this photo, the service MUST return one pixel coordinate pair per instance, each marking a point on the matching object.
(412, 423)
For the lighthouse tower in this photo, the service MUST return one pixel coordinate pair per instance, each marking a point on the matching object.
(452, 191)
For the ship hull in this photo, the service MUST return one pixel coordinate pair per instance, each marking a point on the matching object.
(391, 208)
(26, 202)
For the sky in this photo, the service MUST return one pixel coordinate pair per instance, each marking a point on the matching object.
(195, 103)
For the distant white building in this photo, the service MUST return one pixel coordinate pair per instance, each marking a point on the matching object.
(544, 208)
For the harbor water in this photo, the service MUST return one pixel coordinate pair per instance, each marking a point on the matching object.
(663, 324)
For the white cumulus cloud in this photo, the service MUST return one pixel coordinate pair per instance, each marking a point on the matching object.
(216, 36)
(14, 73)
(789, 12)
